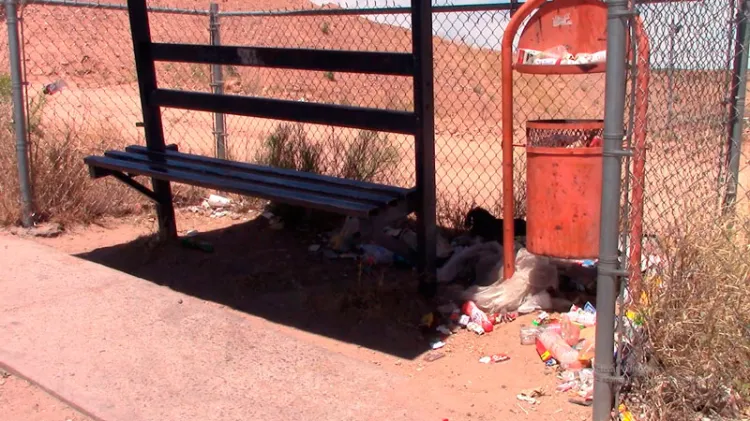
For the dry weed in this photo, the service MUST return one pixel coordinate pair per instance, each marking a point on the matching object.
(368, 157)
(697, 322)
(451, 213)
(62, 188)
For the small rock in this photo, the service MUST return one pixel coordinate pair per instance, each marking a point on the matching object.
(313, 248)
(216, 202)
(179, 301)
(48, 230)
(268, 215)
(191, 233)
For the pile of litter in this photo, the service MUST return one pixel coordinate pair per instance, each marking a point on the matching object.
(449, 319)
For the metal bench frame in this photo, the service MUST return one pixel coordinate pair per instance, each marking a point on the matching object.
(164, 164)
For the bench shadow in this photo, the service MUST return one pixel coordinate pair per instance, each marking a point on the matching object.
(272, 274)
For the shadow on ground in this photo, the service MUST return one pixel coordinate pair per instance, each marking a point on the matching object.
(271, 274)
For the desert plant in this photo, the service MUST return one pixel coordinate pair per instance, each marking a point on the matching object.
(451, 212)
(289, 147)
(696, 316)
(5, 88)
(369, 157)
(329, 76)
(325, 28)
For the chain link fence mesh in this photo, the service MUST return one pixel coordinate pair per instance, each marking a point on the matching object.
(692, 260)
(95, 61)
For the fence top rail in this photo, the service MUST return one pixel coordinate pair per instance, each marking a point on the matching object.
(396, 10)
(113, 6)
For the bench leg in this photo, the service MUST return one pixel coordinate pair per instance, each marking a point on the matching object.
(164, 209)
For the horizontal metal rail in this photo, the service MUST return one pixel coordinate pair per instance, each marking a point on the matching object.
(279, 109)
(113, 6)
(397, 64)
(490, 7)
(376, 11)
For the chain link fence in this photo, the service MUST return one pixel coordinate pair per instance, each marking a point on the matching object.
(689, 268)
(100, 101)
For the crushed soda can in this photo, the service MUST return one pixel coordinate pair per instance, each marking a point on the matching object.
(463, 321)
(564, 387)
(485, 360)
(475, 327)
(509, 317)
(498, 358)
(540, 318)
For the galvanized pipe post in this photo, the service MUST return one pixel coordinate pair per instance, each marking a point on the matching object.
(217, 82)
(609, 268)
(19, 113)
(737, 104)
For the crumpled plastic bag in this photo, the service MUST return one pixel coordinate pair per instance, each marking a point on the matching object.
(525, 291)
(485, 260)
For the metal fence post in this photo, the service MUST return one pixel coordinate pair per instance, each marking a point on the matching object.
(19, 114)
(217, 82)
(737, 104)
(609, 268)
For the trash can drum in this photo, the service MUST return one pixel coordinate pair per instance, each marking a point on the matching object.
(564, 187)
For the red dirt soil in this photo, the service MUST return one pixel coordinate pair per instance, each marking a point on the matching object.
(371, 317)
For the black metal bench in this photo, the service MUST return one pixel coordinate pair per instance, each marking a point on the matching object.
(332, 194)
(381, 203)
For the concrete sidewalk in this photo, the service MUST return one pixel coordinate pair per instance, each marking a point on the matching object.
(120, 348)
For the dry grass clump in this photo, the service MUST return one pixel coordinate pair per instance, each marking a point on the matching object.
(61, 188)
(697, 325)
(370, 156)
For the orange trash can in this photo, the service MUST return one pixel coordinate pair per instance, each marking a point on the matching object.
(564, 187)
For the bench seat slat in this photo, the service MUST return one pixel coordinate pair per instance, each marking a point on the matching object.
(293, 197)
(299, 184)
(277, 172)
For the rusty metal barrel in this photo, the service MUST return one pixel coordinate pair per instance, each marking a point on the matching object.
(564, 187)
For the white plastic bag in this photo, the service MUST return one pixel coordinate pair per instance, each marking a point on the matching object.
(533, 275)
(484, 259)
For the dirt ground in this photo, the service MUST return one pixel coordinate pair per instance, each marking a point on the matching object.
(372, 316)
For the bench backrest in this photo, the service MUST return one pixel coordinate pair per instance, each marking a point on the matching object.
(417, 64)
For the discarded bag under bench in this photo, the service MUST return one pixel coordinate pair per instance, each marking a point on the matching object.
(343, 196)
(375, 203)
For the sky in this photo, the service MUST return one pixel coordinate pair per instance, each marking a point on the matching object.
(699, 38)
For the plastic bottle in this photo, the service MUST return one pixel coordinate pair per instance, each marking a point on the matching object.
(569, 331)
(477, 316)
(560, 350)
